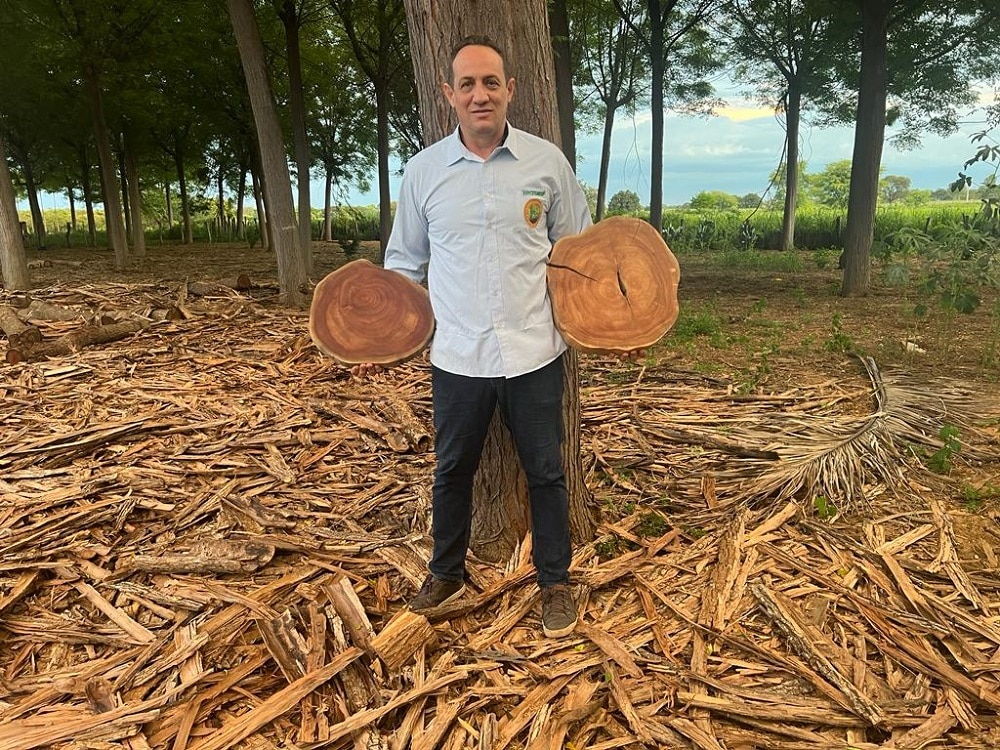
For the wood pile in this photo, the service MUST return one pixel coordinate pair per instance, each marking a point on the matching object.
(208, 533)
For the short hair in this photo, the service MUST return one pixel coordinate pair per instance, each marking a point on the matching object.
(474, 41)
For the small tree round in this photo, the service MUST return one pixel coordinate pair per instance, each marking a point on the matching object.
(363, 313)
(613, 286)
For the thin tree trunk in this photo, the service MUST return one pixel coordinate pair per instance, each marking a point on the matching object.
(13, 264)
(135, 202)
(170, 205)
(657, 72)
(500, 504)
(869, 136)
(793, 112)
(284, 232)
(110, 189)
(88, 201)
(126, 207)
(187, 231)
(37, 219)
(72, 208)
(292, 23)
(602, 180)
(241, 196)
(562, 59)
(384, 194)
(258, 194)
(327, 214)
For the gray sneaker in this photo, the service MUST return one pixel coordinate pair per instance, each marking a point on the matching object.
(434, 593)
(558, 610)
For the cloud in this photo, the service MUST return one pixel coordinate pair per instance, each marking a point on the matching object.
(744, 113)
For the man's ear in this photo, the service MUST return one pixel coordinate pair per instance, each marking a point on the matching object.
(449, 93)
(510, 89)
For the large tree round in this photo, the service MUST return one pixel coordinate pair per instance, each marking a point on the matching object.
(363, 313)
(613, 286)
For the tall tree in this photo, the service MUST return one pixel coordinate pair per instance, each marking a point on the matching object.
(779, 47)
(612, 69)
(500, 507)
(376, 31)
(284, 231)
(673, 37)
(295, 14)
(920, 61)
(13, 265)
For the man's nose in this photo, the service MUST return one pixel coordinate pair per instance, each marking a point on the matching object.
(480, 93)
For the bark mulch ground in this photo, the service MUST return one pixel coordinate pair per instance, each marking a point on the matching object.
(208, 534)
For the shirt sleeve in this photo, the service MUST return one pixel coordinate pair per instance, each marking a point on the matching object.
(408, 250)
(570, 213)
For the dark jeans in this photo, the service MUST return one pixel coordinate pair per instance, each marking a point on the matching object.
(531, 408)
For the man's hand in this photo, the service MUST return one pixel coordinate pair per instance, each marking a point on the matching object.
(365, 369)
(632, 356)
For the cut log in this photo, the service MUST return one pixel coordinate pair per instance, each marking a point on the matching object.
(72, 342)
(613, 286)
(19, 333)
(363, 313)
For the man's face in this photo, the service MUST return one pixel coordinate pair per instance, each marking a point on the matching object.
(479, 93)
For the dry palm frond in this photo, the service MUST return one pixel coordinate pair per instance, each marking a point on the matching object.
(842, 459)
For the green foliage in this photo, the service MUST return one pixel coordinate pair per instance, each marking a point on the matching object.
(624, 203)
(714, 200)
(825, 509)
(692, 324)
(940, 461)
(652, 524)
(838, 340)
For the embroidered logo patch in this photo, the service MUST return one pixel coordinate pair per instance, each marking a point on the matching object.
(533, 212)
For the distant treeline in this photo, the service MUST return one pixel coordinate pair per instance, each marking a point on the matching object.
(684, 228)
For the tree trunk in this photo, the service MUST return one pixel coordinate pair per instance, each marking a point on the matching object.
(869, 136)
(135, 201)
(72, 208)
(500, 506)
(126, 204)
(562, 58)
(13, 264)
(327, 215)
(110, 188)
(602, 180)
(657, 69)
(292, 23)
(169, 202)
(258, 194)
(187, 231)
(284, 232)
(37, 219)
(88, 201)
(793, 113)
(241, 197)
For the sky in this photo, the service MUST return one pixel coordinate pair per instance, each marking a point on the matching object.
(736, 151)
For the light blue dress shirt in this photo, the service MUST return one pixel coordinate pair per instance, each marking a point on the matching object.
(480, 233)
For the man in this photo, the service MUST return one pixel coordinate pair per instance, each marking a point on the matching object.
(477, 215)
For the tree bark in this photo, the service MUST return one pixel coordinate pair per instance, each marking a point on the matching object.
(292, 23)
(500, 508)
(562, 59)
(657, 72)
(793, 115)
(869, 136)
(13, 263)
(110, 188)
(135, 201)
(284, 232)
(88, 196)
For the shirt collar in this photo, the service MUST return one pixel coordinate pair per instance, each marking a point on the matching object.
(456, 150)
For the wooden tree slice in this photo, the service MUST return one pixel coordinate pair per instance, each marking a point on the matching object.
(363, 313)
(613, 286)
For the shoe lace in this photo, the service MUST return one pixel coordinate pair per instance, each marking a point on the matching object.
(556, 599)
